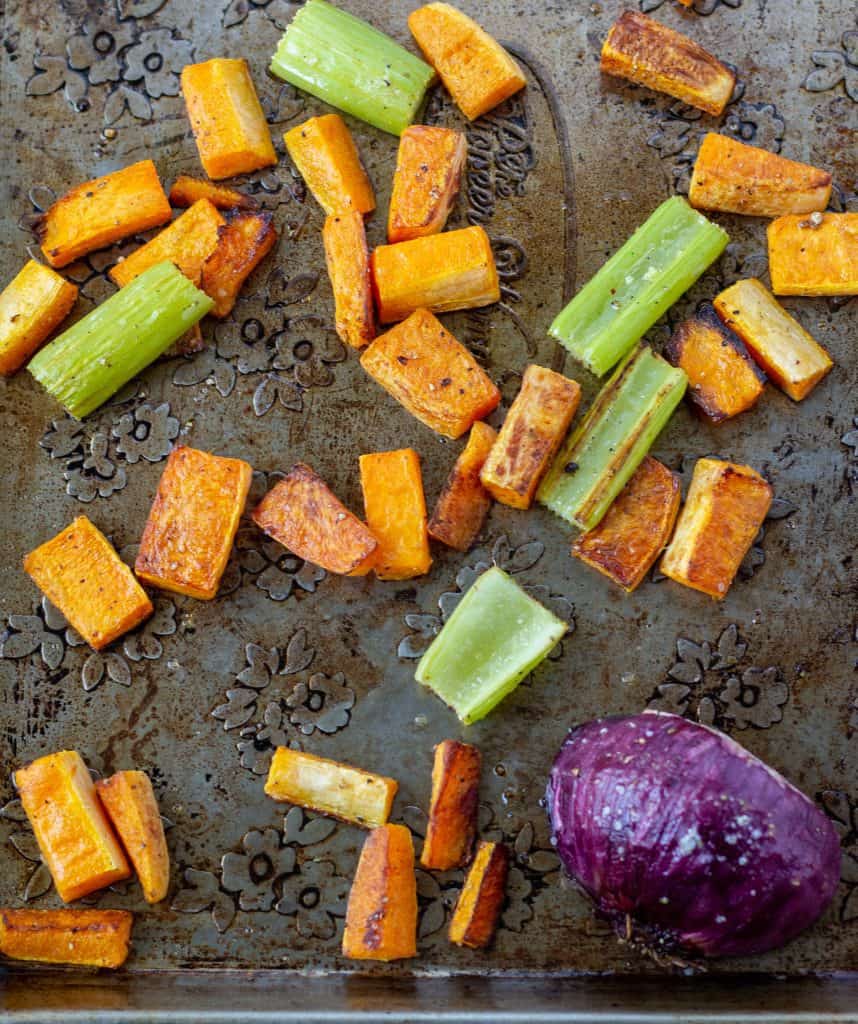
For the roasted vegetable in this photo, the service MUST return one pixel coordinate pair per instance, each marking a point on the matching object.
(478, 910)
(327, 158)
(102, 211)
(84, 938)
(347, 258)
(186, 191)
(396, 513)
(432, 374)
(80, 573)
(685, 841)
(303, 514)
(644, 51)
(32, 306)
(330, 787)
(192, 523)
(533, 430)
(452, 826)
(429, 168)
(243, 243)
(69, 824)
(464, 503)
(451, 270)
(781, 346)
(814, 255)
(636, 527)
(723, 513)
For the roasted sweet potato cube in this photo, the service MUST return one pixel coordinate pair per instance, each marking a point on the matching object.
(243, 243)
(327, 159)
(480, 903)
(396, 513)
(429, 168)
(347, 257)
(644, 51)
(723, 513)
(193, 521)
(84, 938)
(381, 919)
(32, 305)
(814, 255)
(303, 514)
(636, 527)
(452, 826)
(186, 191)
(464, 503)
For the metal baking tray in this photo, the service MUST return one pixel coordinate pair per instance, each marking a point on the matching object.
(201, 694)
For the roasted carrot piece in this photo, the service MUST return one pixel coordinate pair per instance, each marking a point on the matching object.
(347, 257)
(243, 243)
(102, 211)
(452, 826)
(85, 938)
(533, 431)
(193, 522)
(464, 503)
(32, 305)
(432, 374)
(451, 270)
(396, 513)
(186, 191)
(478, 911)
(129, 801)
(644, 51)
(226, 118)
(75, 837)
(381, 919)
(635, 528)
(477, 71)
(79, 571)
(426, 181)
(814, 255)
(327, 159)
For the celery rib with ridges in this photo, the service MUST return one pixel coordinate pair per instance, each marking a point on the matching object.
(600, 455)
(93, 359)
(639, 283)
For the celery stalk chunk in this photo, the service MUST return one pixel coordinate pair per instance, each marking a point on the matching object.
(496, 635)
(643, 278)
(601, 454)
(91, 361)
(346, 62)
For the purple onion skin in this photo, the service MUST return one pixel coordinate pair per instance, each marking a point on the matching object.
(678, 832)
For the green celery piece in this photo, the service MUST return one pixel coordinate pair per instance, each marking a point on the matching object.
(643, 278)
(496, 635)
(346, 62)
(601, 454)
(92, 360)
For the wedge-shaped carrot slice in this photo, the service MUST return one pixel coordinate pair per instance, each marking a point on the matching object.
(347, 257)
(330, 787)
(102, 211)
(327, 159)
(396, 513)
(451, 270)
(814, 255)
(464, 503)
(129, 801)
(478, 911)
(781, 346)
(192, 523)
(75, 837)
(80, 572)
(452, 826)
(723, 513)
(84, 938)
(32, 305)
(381, 919)
(646, 52)
(243, 243)
(303, 514)
(426, 181)
(432, 374)
(636, 527)
(186, 191)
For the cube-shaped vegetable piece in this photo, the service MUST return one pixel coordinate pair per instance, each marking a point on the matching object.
(432, 374)
(303, 514)
(330, 787)
(723, 380)
(426, 181)
(443, 272)
(396, 513)
(784, 349)
(453, 810)
(477, 71)
(102, 211)
(188, 242)
(644, 51)
(32, 305)
(635, 528)
(347, 257)
(478, 910)
(243, 243)
(226, 118)
(723, 513)
(494, 638)
(79, 571)
(84, 938)
(464, 503)
(327, 158)
(192, 523)
(381, 919)
(532, 432)
(733, 177)
(814, 255)
(129, 801)
(186, 191)
(76, 840)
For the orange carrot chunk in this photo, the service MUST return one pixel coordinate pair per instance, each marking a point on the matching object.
(243, 243)
(347, 257)
(478, 911)
(186, 191)
(32, 306)
(426, 181)
(814, 255)
(84, 938)
(464, 503)
(327, 159)
(452, 826)
(396, 513)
